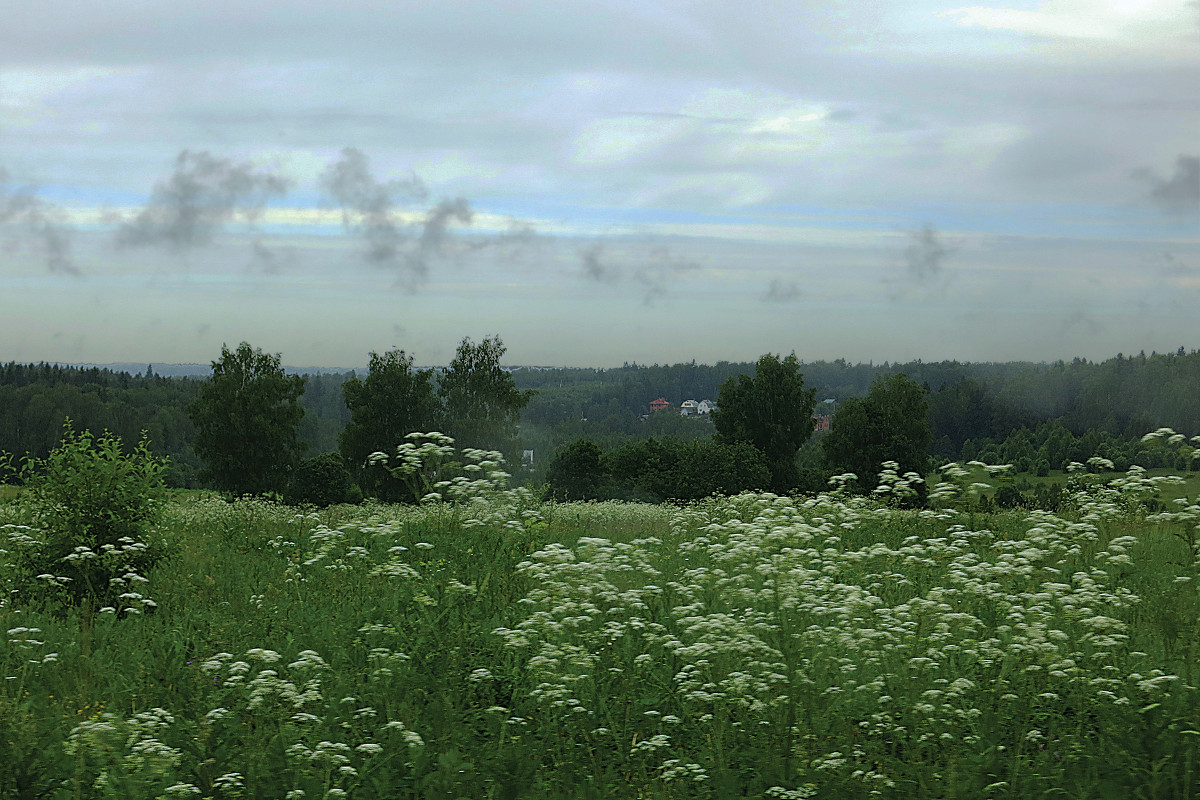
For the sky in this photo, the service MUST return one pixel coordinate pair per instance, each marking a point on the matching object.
(599, 182)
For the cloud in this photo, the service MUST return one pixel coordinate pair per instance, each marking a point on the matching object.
(594, 267)
(1179, 195)
(202, 193)
(924, 256)
(369, 209)
(368, 205)
(781, 291)
(651, 273)
(1080, 321)
(1172, 267)
(269, 260)
(31, 220)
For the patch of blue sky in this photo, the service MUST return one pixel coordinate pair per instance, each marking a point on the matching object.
(86, 196)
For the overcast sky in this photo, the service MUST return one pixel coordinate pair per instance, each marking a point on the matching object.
(599, 182)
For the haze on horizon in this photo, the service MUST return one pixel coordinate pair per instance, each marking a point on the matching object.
(599, 183)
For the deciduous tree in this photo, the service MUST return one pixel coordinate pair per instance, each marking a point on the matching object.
(771, 411)
(577, 472)
(393, 401)
(246, 421)
(890, 424)
(481, 403)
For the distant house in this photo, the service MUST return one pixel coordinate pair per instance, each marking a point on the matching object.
(689, 407)
(659, 404)
(822, 422)
(705, 407)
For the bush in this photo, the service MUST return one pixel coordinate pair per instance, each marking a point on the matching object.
(667, 469)
(322, 481)
(1008, 497)
(576, 472)
(92, 506)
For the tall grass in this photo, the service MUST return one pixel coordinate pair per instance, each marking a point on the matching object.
(756, 646)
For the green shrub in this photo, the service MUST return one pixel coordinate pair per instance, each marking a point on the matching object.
(577, 471)
(91, 508)
(1008, 497)
(322, 481)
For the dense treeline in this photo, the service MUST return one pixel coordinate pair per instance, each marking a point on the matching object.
(1060, 412)
(36, 399)
(1037, 416)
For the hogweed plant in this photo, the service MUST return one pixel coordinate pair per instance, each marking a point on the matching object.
(482, 644)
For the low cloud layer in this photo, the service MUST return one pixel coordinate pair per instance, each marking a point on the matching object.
(29, 223)
(925, 256)
(202, 193)
(373, 210)
(1179, 195)
(649, 274)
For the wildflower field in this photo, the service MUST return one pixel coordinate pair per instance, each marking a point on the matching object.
(488, 645)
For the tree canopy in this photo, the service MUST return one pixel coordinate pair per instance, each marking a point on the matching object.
(393, 401)
(890, 424)
(481, 402)
(246, 419)
(771, 411)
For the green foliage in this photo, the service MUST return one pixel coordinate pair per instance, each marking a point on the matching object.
(745, 647)
(482, 405)
(1008, 496)
(890, 423)
(393, 401)
(576, 472)
(246, 419)
(322, 481)
(668, 469)
(91, 508)
(771, 411)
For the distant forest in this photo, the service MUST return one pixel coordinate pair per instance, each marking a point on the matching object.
(1013, 412)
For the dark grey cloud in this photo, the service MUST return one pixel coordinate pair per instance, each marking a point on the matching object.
(433, 231)
(368, 205)
(651, 274)
(370, 209)
(925, 255)
(29, 221)
(594, 266)
(202, 193)
(1179, 195)
(781, 291)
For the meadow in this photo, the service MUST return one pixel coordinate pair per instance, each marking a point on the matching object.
(501, 647)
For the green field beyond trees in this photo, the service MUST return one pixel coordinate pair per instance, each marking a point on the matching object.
(485, 644)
